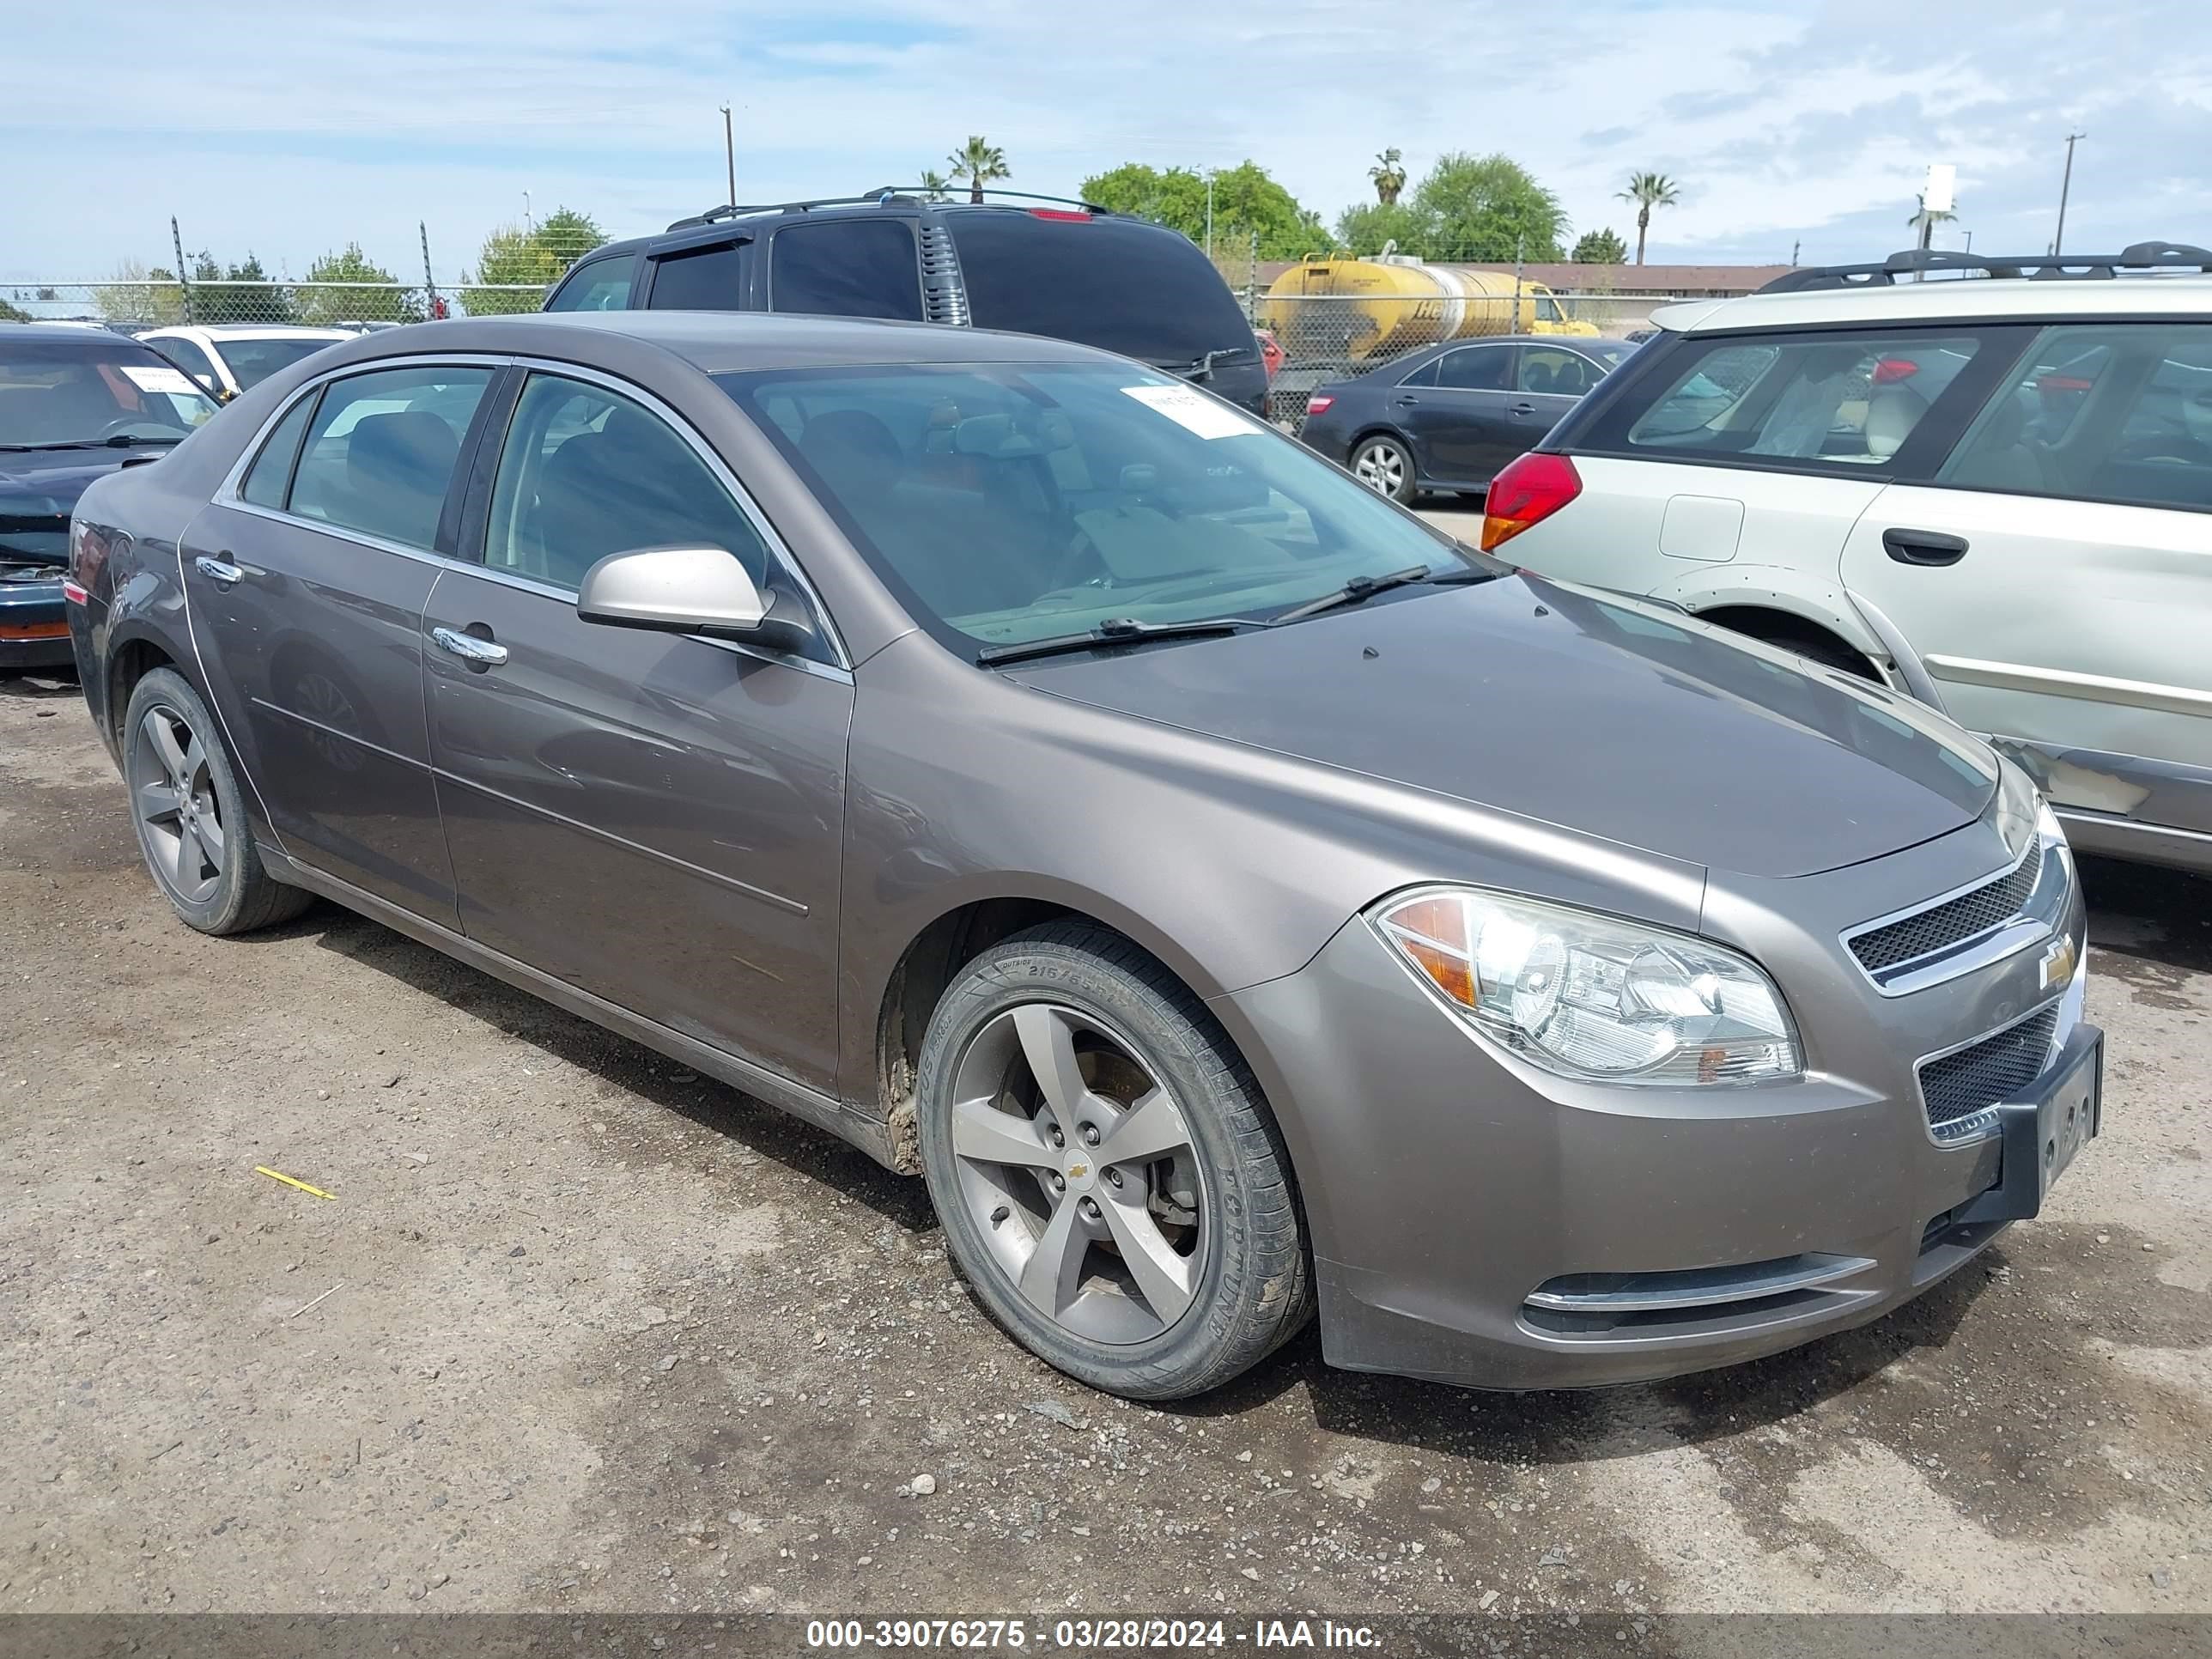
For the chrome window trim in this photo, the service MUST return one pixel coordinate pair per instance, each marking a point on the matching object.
(1979, 1125)
(2040, 918)
(227, 493)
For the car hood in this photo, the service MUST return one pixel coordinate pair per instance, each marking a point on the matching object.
(1614, 719)
(38, 489)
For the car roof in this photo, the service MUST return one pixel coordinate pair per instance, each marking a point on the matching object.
(725, 341)
(55, 333)
(1960, 298)
(219, 331)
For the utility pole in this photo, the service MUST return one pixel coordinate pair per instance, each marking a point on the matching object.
(1209, 213)
(184, 277)
(730, 154)
(2065, 184)
(1794, 247)
(527, 220)
(1970, 241)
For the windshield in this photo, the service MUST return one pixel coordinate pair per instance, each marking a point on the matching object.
(1009, 503)
(1133, 288)
(65, 392)
(252, 361)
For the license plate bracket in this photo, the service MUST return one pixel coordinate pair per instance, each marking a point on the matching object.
(2044, 1133)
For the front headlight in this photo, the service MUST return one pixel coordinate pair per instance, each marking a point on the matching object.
(2048, 829)
(1593, 996)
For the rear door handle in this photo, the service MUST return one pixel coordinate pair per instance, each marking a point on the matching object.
(1521, 408)
(1909, 546)
(1405, 403)
(477, 653)
(221, 572)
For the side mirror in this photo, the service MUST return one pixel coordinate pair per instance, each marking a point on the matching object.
(688, 590)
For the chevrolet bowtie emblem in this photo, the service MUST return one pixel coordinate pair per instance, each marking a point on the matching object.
(1077, 1171)
(2058, 964)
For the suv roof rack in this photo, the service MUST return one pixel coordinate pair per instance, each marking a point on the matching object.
(882, 197)
(2040, 267)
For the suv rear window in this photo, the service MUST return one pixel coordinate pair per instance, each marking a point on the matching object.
(1839, 399)
(1135, 288)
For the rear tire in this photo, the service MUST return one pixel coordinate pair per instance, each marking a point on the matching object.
(1156, 1275)
(1384, 465)
(191, 816)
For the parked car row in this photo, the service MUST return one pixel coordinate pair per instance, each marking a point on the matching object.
(1060, 783)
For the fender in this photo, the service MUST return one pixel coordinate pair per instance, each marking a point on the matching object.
(1810, 598)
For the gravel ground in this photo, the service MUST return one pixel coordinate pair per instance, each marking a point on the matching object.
(580, 1330)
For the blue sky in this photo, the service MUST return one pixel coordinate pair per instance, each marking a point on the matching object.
(289, 130)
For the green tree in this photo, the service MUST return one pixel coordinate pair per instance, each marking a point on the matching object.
(935, 186)
(980, 162)
(1389, 173)
(137, 295)
(1923, 222)
(1488, 209)
(1600, 247)
(347, 286)
(1647, 191)
(12, 313)
(517, 263)
(242, 293)
(1247, 203)
(1370, 227)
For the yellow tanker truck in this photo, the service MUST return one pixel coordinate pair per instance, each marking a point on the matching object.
(1350, 314)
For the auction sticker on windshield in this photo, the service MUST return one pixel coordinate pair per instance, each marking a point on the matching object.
(148, 378)
(1194, 410)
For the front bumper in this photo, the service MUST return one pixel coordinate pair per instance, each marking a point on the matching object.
(34, 626)
(1481, 1222)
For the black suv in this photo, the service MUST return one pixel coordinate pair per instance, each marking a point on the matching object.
(1032, 265)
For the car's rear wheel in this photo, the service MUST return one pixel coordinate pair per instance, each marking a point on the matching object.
(1109, 1179)
(1384, 466)
(191, 818)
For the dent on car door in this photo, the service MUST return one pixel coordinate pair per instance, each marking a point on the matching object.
(2056, 577)
(306, 594)
(653, 817)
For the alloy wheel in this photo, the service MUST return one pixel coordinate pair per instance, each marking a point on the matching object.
(1078, 1171)
(172, 793)
(1382, 467)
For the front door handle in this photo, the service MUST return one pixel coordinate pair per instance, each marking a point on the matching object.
(477, 653)
(1934, 547)
(1521, 409)
(1405, 403)
(221, 572)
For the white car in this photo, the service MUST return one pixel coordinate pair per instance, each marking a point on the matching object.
(1993, 492)
(228, 358)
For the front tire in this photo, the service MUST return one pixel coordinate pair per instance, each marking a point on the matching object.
(190, 817)
(1109, 1179)
(1385, 466)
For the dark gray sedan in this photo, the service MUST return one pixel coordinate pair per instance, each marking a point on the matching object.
(1234, 897)
(1450, 416)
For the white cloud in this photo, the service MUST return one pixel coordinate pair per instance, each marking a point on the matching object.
(289, 130)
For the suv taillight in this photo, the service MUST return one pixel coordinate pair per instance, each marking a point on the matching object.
(1318, 403)
(1529, 490)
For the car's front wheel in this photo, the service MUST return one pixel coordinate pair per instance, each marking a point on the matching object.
(1384, 466)
(191, 818)
(1109, 1178)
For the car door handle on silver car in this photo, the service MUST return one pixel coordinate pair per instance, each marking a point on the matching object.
(221, 572)
(477, 653)
(1922, 546)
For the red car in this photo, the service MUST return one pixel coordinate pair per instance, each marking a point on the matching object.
(1270, 353)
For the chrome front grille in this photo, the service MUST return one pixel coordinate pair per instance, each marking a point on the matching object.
(1954, 922)
(1955, 1086)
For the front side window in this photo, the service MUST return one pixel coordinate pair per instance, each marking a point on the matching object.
(1011, 503)
(586, 472)
(1476, 368)
(700, 279)
(846, 268)
(2105, 413)
(187, 355)
(598, 285)
(1837, 399)
(80, 393)
(381, 452)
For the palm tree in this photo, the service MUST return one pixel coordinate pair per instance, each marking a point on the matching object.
(1389, 176)
(1923, 222)
(935, 186)
(979, 162)
(1648, 190)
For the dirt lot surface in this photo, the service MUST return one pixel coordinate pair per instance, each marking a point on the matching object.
(579, 1330)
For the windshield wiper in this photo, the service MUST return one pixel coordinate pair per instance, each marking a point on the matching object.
(1366, 587)
(1115, 630)
(120, 441)
(1199, 369)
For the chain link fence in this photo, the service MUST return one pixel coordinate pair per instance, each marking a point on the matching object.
(162, 302)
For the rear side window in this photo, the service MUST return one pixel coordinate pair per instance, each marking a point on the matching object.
(187, 355)
(597, 285)
(1555, 372)
(271, 472)
(700, 279)
(381, 450)
(1135, 288)
(2103, 413)
(846, 268)
(1837, 399)
(1476, 368)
